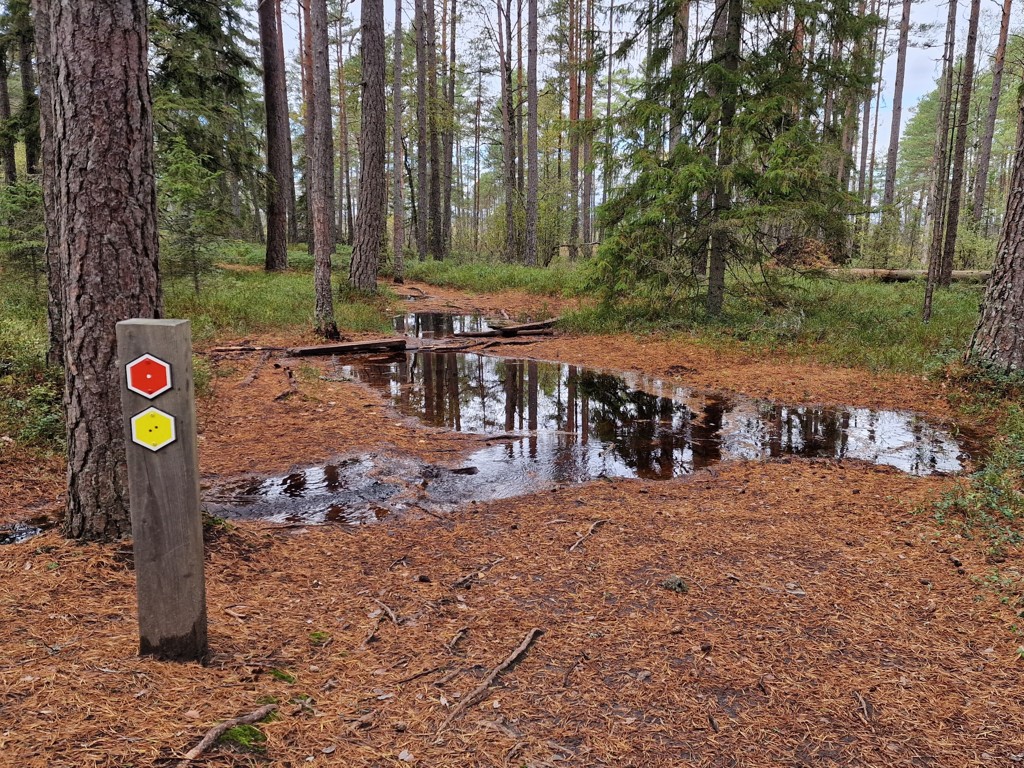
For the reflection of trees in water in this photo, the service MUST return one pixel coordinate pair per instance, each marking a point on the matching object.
(654, 436)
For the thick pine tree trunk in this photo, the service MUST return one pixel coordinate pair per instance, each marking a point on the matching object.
(998, 341)
(531, 134)
(889, 193)
(985, 150)
(103, 198)
(397, 198)
(680, 39)
(278, 165)
(320, 172)
(369, 241)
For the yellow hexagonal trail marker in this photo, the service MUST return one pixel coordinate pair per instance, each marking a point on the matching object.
(153, 429)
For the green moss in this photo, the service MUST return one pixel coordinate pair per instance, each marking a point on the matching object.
(245, 738)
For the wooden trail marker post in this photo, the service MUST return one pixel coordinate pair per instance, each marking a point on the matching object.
(158, 398)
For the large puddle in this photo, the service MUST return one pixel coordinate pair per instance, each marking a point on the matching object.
(554, 424)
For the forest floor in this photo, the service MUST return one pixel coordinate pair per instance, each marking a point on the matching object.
(817, 616)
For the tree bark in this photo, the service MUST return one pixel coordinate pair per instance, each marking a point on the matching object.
(680, 39)
(998, 341)
(29, 99)
(588, 130)
(507, 131)
(422, 228)
(960, 148)
(103, 197)
(370, 227)
(985, 150)
(55, 275)
(448, 137)
(531, 134)
(293, 218)
(398, 199)
(276, 100)
(345, 186)
(730, 57)
(572, 62)
(320, 171)
(940, 165)
(7, 133)
(889, 193)
(434, 138)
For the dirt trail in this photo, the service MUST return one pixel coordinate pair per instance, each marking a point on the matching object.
(816, 619)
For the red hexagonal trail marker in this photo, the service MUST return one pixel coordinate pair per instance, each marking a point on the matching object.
(148, 376)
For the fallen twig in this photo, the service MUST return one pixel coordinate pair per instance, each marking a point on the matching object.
(292, 386)
(387, 609)
(593, 527)
(480, 692)
(418, 675)
(450, 646)
(220, 729)
(466, 580)
(568, 673)
(255, 371)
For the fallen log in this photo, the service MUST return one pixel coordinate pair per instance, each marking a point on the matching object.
(906, 275)
(541, 328)
(348, 347)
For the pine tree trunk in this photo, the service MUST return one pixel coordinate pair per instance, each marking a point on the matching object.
(320, 169)
(54, 274)
(507, 130)
(6, 130)
(433, 125)
(680, 38)
(103, 196)
(276, 100)
(449, 138)
(730, 56)
(345, 154)
(398, 199)
(985, 150)
(609, 150)
(574, 134)
(370, 227)
(422, 192)
(29, 100)
(998, 341)
(476, 159)
(889, 193)
(940, 165)
(531, 134)
(945, 276)
(293, 218)
(588, 135)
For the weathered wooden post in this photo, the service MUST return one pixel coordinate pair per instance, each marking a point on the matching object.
(155, 360)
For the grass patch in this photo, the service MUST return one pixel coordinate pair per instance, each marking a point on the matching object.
(493, 277)
(990, 503)
(244, 738)
(851, 323)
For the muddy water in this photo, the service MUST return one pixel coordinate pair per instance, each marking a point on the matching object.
(553, 424)
(437, 325)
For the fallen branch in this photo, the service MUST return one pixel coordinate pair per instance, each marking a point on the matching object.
(593, 527)
(227, 350)
(348, 347)
(219, 730)
(450, 646)
(510, 330)
(480, 692)
(255, 371)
